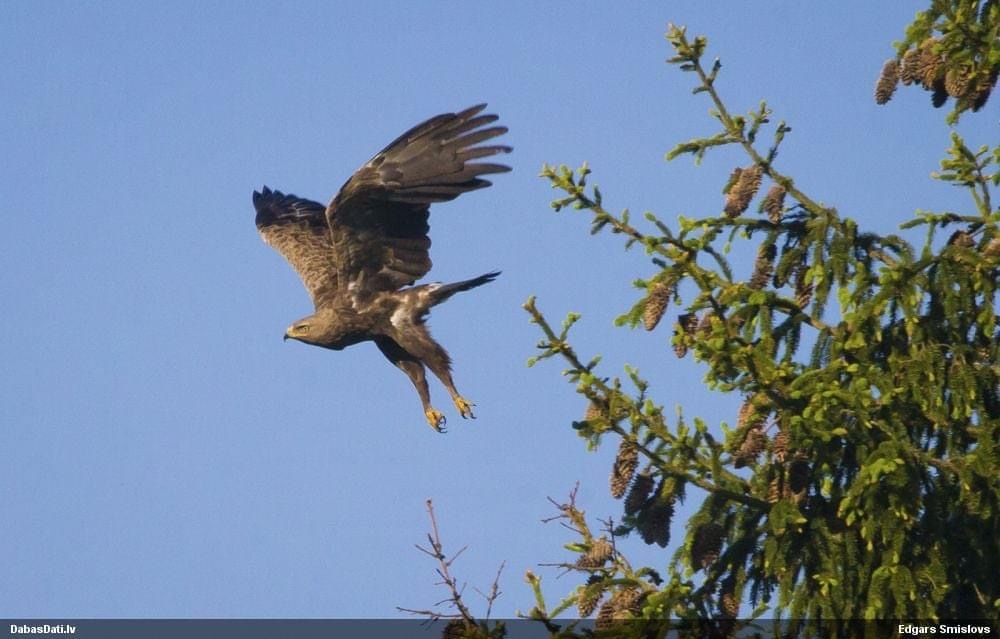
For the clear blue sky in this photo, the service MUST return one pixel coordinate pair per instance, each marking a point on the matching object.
(165, 454)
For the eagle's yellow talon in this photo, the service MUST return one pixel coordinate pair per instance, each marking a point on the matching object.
(464, 407)
(436, 419)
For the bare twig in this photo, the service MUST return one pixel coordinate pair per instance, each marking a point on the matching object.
(454, 599)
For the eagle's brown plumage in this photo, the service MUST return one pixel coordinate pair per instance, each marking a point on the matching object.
(359, 256)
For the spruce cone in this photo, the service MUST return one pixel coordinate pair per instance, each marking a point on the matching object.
(887, 82)
(598, 555)
(707, 545)
(957, 81)
(929, 65)
(748, 416)
(605, 616)
(589, 596)
(656, 304)
(624, 467)
(774, 203)
(909, 69)
(734, 177)
(680, 346)
(779, 447)
(763, 266)
(774, 491)
(593, 412)
(626, 602)
(638, 494)
(803, 288)
(746, 410)
(654, 523)
(752, 446)
(729, 605)
(742, 191)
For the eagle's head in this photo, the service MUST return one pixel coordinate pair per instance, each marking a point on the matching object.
(302, 330)
(324, 329)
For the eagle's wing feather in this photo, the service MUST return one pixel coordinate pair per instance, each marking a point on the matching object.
(297, 229)
(378, 220)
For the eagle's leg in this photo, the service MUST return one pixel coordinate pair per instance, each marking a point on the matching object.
(418, 344)
(441, 368)
(463, 405)
(415, 371)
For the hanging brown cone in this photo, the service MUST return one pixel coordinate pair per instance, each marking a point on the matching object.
(909, 68)
(779, 447)
(774, 203)
(654, 523)
(706, 546)
(887, 81)
(742, 191)
(626, 602)
(734, 177)
(743, 417)
(763, 266)
(656, 304)
(929, 65)
(680, 345)
(638, 494)
(605, 616)
(594, 412)
(803, 287)
(752, 446)
(957, 81)
(599, 553)
(774, 491)
(729, 605)
(589, 596)
(626, 461)
(749, 416)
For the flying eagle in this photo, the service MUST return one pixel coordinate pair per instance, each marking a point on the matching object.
(360, 255)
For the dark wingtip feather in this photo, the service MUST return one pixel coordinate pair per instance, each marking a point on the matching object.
(485, 278)
(471, 111)
(484, 168)
(260, 196)
(275, 207)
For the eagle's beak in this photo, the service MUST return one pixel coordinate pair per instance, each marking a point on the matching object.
(285, 338)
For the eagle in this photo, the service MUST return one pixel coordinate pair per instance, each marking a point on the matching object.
(360, 255)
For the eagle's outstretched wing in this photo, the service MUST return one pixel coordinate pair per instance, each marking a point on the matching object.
(297, 229)
(378, 220)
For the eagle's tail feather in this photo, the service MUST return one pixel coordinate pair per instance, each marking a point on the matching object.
(445, 291)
